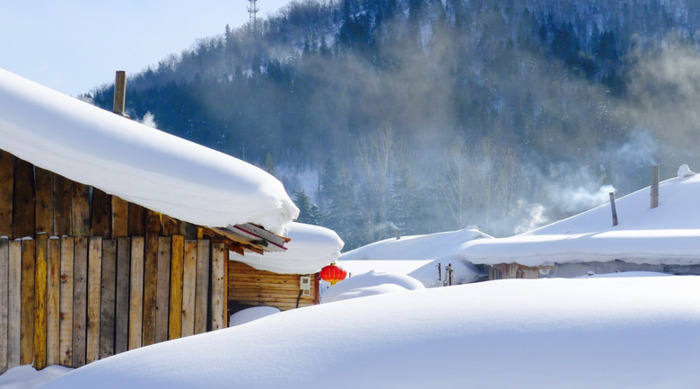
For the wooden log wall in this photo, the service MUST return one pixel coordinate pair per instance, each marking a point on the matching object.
(73, 300)
(35, 200)
(248, 287)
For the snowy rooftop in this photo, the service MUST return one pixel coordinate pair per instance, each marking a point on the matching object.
(311, 248)
(668, 234)
(138, 163)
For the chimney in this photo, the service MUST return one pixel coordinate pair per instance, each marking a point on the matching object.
(120, 93)
(655, 186)
(612, 207)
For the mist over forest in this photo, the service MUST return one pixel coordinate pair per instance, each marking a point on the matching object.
(393, 117)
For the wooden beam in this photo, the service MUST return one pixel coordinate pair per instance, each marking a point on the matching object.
(40, 298)
(100, 214)
(201, 307)
(44, 201)
(7, 173)
(14, 313)
(4, 299)
(80, 285)
(80, 210)
(23, 217)
(120, 218)
(28, 295)
(218, 282)
(189, 282)
(119, 104)
(136, 292)
(121, 330)
(162, 290)
(108, 297)
(177, 254)
(65, 327)
(53, 302)
(62, 203)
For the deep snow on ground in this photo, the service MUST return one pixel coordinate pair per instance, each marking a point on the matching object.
(641, 332)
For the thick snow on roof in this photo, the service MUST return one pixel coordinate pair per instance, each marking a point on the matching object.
(311, 247)
(553, 333)
(135, 162)
(668, 234)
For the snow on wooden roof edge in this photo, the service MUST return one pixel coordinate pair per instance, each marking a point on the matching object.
(138, 163)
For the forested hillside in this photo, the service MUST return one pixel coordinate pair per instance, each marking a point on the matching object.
(387, 117)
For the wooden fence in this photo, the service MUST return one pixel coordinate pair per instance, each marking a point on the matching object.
(72, 300)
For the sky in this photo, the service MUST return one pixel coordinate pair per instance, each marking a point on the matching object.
(77, 45)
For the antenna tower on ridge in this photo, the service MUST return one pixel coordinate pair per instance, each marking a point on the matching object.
(252, 11)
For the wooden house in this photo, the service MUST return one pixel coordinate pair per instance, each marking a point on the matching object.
(100, 250)
(651, 230)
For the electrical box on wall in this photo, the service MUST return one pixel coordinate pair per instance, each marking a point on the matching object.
(305, 284)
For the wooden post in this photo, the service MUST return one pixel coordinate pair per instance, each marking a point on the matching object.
(80, 285)
(107, 299)
(121, 330)
(218, 288)
(136, 292)
(612, 207)
(65, 327)
(177, 254)
(162, 290)
(189, 282)
(119, 104)
(28, 293)
(654, 186)
(201, 306)
(14, 313)
(4, 300)
(53, 302)
(40, 297)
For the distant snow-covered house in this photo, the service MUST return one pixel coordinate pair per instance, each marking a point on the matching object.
(115, 235)
(661, 239)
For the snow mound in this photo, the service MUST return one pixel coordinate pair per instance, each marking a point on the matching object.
(370, 283)
(249, 314)
(138, 163)
(641, 332)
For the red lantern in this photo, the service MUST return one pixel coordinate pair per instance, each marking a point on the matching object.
(333, 273)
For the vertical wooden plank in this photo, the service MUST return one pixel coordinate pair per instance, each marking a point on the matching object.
(154, 222)
(27, 329)
(201, 304)
(94, 289)
(4, 299)
(176, 267)
(44, 200)
(23, 217)
(40, 297)
(120, 218)
(80, 210)
(121, 325)
(108, 297)
(137, 220)
(65, 326)
(189, 282)
(218, 281)
(14, 313)
(53, 302)
(100, 214)
(62, 202)
(150, 276)
(80, 275)
(162, 291)
(136, 292)
(7, 172)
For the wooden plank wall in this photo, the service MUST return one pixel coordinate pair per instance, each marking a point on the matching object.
(60, 300)
(251, 287)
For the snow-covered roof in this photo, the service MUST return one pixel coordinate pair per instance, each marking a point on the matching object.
(138, 163)
(310, 248)
(668, 234)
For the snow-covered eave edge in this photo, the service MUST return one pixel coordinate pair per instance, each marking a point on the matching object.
(142, 165)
